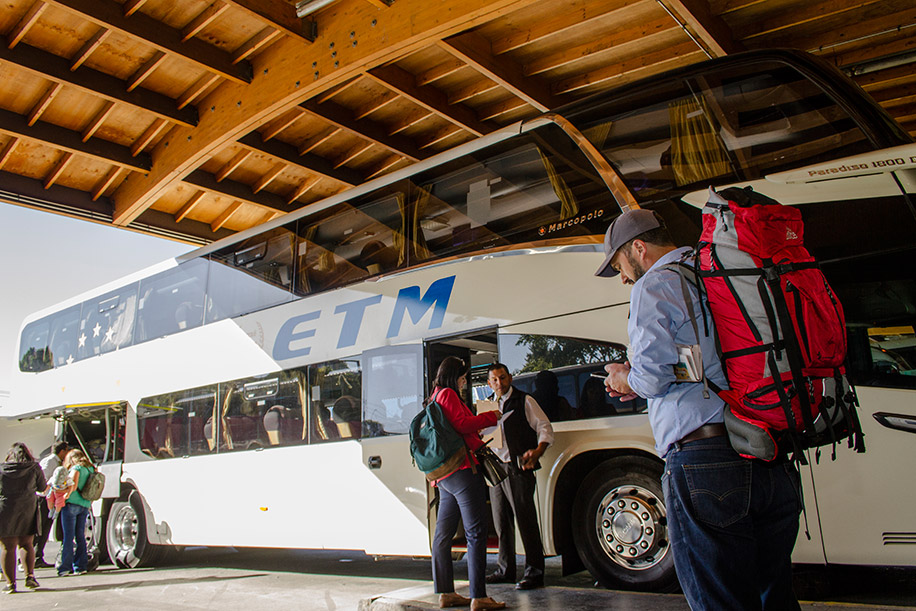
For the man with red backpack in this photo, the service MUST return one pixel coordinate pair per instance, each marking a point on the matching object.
(732, 522)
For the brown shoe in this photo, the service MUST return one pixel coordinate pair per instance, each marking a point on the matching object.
(451, 599)
(478, 604)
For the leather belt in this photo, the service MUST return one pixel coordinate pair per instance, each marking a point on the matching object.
(705, 432)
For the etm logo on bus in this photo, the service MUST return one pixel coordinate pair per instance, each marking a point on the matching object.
(409, 302)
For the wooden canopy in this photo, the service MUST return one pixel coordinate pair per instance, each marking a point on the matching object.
(200, 118)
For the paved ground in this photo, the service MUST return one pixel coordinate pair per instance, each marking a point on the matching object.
(276, 580)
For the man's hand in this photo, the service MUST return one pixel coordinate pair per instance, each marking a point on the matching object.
(531, 457)
(616, 382)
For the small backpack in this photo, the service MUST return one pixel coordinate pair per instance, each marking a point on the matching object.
(93, 486)
(436, 448)
(780, 328)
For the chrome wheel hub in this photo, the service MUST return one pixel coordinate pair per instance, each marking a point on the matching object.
(631, 527)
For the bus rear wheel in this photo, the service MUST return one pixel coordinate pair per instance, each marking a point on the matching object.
(620, 526)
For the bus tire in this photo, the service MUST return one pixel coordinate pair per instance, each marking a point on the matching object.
(620, 526)
(125, 533)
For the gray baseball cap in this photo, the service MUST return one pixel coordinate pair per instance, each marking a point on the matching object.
(624, 228)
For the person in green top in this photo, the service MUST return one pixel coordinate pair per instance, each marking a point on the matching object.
(73, 516)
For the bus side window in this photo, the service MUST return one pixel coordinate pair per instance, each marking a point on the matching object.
(335, 404)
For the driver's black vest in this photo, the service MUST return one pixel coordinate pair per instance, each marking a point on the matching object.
(519, 436)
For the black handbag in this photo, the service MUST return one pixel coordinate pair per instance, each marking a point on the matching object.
(494, 470)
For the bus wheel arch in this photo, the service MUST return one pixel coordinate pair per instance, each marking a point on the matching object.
(619, 525)
(126, 533)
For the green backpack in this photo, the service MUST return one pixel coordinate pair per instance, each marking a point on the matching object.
(436, 448)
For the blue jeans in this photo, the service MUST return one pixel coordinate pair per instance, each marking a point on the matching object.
(462, 494)
(732, 524)
(73, 521)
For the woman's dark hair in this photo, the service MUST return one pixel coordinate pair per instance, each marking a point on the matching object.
(19, 453)
(449, 371)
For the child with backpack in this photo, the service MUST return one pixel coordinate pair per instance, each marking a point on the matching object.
(56, 493)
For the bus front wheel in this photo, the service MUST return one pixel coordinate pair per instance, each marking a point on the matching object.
(620, 526)
(125, 533)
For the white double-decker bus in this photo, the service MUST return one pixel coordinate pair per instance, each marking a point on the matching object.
(258, 391)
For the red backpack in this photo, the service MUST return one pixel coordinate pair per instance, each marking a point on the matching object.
(781, 330)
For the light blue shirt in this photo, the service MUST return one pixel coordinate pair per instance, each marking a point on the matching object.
(659, 321)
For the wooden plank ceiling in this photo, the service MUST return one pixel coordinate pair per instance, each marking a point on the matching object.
(200, 118)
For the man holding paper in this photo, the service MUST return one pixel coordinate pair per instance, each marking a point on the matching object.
(524, 434)
(732, 522)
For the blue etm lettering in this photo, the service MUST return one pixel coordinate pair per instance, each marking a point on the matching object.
(288, 334)
(410, 302)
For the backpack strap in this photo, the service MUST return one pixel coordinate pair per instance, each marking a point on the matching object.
(683, 270)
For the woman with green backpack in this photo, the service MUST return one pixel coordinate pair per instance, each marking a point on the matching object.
(462, 493)
(74, 515)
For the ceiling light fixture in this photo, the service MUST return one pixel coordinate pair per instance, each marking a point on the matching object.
(307, 7)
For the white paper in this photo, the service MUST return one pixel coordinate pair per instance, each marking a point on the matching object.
(493, 434)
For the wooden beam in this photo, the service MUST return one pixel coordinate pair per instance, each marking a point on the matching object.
(497, 109)
(254, 44)
(337, 89)
(410, 120)
(236, 190)
(472, 90)
(316, 142)
(233, 164)
(205, 18)
(446, 68)
(385, 165)
(86, 50)
(645, 64)
(280, 14)
(803, 13)
(106, 182)
(713, 33)
(439, 136)
(87, 80)
(224, 216)
(28, 20)
(189, 205)
(304, 187)
(58, 169)
(353, 153)
(269, 177)
(343, 118)
(280, 123)
(561, 22)
(291, 156)
(408, 26)
(900, 44)
(838, 33)
(151, 132)
(15, 125)
(8, 150)
(45, 101)
(380, 3)
(97, 120)
(197, 89)
(611, 40)
(144, 71)
(109, 14)
(379, 103)
(132, 6)
(428, 97)
(475, 50)
(895, 96)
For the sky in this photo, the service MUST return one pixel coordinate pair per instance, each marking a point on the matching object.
(46, 258)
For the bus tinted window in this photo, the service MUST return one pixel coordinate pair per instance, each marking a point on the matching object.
(733, 124)
(392, 397)
(262, 411)
(535, 187)
(178, 423)
(108, 322)
(335, 400)
(62, 339)
(557, 372)
(172, 301)
(251, 275)
(34, 354)
(352, 241)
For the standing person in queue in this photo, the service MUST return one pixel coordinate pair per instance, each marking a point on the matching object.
(73, 517)
(461, 494)
(527, 434)
(48, 464)
(20, 480)
(732, 522)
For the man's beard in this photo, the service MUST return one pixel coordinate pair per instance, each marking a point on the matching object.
(638, 270)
